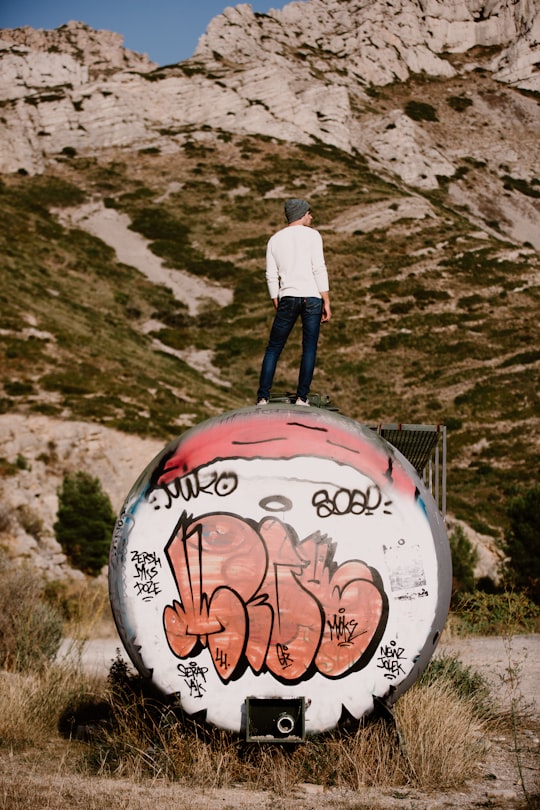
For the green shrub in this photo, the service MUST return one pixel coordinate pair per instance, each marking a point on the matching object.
(402, 307)
(22, 463)
(459, 103)
(52, 191)
(156, 223)
(471, 301)
(30, 520)
(518, 184)
(421, 294)
(464, 558)
(522, 358)
(85, 522)
(522, 542)
(18, 388)
(494, 614)
(467, 683)
(420, 111)
(68, 381)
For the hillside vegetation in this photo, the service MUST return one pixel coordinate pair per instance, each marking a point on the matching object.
(435, 313)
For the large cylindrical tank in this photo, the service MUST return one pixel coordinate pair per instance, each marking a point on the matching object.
(280, 553)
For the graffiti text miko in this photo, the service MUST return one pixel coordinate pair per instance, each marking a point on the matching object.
(347, 501)
(146, 571)
(390, 660)
(194, 678)
(190, 486)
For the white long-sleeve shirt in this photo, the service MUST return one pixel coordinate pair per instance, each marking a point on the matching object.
(295, 263)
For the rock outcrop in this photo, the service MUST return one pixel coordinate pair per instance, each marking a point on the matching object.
(301, 74)
(46, 449)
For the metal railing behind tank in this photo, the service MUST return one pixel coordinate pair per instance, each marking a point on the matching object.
(424, 446)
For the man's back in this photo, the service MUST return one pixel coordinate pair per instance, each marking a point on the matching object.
(295, 263)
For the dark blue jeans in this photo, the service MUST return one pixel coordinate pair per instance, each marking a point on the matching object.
(288, 311)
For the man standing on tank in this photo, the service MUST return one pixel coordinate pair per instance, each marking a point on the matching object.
(297, 282)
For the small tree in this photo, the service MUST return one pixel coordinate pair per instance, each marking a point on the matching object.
(464, 558)
(522, 542)
(85, 522)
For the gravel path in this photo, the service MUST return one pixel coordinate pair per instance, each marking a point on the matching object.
(510, 665)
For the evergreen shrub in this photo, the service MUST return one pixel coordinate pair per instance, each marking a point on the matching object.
(85, 522)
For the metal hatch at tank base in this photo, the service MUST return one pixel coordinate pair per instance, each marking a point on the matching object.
(275, 720)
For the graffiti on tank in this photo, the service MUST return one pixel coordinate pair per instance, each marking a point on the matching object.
(274, 553)
(344, 631)
(390, 660)
(257, 596)
(405, 566)
(350, 501)
(200, 481)
(122, 529)
(282, 652)
(410, 597)
(194, 677)
(147, 565)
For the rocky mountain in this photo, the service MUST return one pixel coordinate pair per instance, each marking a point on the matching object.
(411, 125)
(303, 74)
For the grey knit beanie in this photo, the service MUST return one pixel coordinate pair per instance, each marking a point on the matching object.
(295, 209)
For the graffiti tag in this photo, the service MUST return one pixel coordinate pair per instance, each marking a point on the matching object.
(348, 501)
(390, 660)
(194, 677)
(283, 656)
(201, 481)
(344, 631)
(147, 565)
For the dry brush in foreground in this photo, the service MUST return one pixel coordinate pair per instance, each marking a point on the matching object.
(132, 742)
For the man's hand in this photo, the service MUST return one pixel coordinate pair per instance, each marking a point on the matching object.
(326, 310)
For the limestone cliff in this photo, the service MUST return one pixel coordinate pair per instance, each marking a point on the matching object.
(300, 74)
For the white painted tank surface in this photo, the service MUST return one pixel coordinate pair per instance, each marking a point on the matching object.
(280, 552)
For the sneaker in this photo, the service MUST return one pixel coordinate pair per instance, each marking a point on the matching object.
(301, 402)
(262, 402)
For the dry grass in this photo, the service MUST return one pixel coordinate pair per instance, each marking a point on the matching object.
(87, 608)
(30, 704)
(59, 719)
(58, 789)
(435, 740)
(141, 750)
(441, 739)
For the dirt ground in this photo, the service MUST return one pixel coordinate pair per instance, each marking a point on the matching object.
(509, 665)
